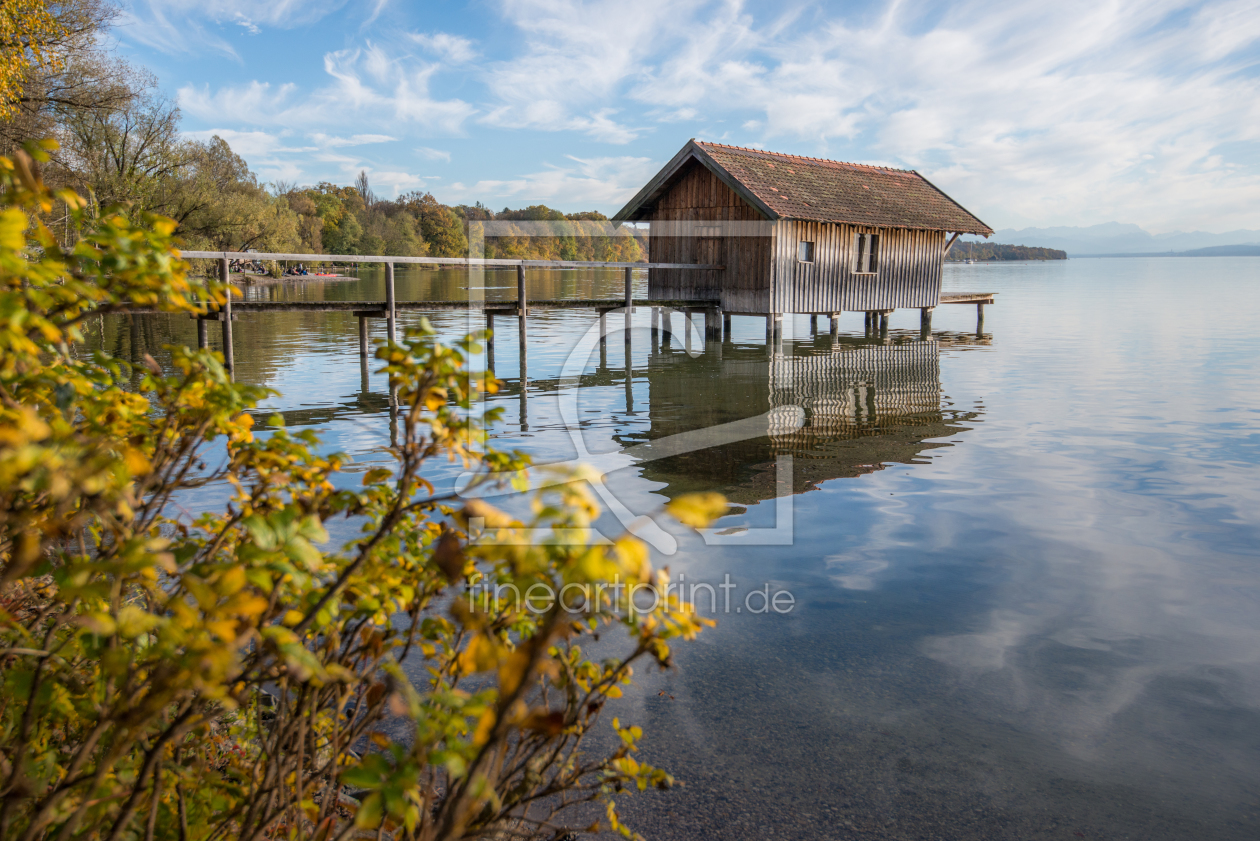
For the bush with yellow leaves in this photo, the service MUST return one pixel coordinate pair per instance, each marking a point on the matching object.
(236, 676)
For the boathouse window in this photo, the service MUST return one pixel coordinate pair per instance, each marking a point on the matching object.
(866, 250)
(805, 252)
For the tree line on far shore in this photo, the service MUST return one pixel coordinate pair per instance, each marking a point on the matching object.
(991, 251)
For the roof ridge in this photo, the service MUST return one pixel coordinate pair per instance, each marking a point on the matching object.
(805, 157)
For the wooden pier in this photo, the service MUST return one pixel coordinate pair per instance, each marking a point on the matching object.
(717, 323)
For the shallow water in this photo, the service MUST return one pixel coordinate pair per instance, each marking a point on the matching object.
(1024, 565)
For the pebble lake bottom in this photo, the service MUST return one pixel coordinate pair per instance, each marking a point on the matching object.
(1025, 565)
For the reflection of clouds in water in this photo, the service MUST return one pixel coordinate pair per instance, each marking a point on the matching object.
(1122, 631)
(853, 571)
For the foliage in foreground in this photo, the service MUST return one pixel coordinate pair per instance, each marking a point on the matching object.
(231, 674)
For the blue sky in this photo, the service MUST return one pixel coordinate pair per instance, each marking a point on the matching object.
(1029, 113)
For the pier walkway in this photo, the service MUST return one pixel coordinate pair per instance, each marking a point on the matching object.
(717, 323)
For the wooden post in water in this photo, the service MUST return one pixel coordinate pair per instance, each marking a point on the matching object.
(870, 323)
(203, 339)
(524, 369)
(363, 336)
(629, 325)
(687, 326)
(603, 339)
(522, 310)
(726, 326)
(883, 323)
(925, 323)
(834, 327)
(813, 324)
(490, 343)
(979, 319)
(391, 315)
(629, 382)
(769, 331)
(229, 357)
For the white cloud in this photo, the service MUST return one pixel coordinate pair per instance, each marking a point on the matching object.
(174, 26)
(451, 48)
(255, 103)
(246, 24)
(433, 154)
(354, 140)
(366, 86)
(592, 182)
(577, 58)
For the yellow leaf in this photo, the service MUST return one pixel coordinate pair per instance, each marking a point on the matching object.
(697, 510)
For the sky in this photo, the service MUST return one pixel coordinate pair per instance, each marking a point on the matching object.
(1028, 112)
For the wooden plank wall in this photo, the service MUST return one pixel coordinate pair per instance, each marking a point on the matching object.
(700, 196)
(909, 269)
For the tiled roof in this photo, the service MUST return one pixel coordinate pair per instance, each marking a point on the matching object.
(795, 187)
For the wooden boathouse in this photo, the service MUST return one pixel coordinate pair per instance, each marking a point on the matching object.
(797, 234)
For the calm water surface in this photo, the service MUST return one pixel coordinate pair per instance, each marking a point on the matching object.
(1025, 564)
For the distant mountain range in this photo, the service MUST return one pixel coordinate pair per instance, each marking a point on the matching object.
(1117, 238)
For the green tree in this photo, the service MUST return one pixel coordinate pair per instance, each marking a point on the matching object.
(440, 226)
(138, 645)
(344, 237)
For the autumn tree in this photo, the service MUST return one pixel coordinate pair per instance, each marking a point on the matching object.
(236, 674)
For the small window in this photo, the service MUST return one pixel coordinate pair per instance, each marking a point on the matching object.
(805, 252)
(708, 231)
(866, 252)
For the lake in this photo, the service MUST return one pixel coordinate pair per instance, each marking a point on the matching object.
(1024, 566)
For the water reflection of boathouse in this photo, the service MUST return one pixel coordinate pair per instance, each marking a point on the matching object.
(840, 410)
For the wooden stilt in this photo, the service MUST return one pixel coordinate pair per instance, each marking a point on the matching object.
(687, 329)
(979, 319)
(925, 323)
(229, 356)
(629, 383)
(769, 331)
(726, 326)
(363, 336)
(391, 307)
(712, 325)
(626, 335)
(393, 416)
(834, 326)
(883, 324)
(524, 356)
(522, 304)
(203, 338)
(629, 285)
(490, 343)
